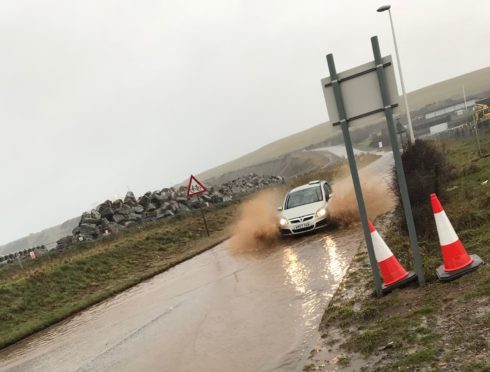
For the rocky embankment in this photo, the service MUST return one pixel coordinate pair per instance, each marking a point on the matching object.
(112, 216)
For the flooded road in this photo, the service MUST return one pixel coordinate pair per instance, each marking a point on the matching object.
(215, 312)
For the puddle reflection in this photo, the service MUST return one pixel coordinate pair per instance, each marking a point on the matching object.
(333, 260)
(296, 271)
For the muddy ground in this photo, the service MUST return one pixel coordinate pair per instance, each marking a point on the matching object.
(441, 327)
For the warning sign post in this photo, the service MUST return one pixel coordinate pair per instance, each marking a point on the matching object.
(196, 188)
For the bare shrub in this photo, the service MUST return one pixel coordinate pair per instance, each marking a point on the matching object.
(426, 172)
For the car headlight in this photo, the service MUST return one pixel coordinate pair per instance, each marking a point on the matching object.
(321, 212)
(283, 221)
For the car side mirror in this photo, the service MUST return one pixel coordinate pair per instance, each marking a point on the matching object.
(279, 209)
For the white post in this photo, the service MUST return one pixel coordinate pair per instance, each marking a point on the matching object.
(405, 99)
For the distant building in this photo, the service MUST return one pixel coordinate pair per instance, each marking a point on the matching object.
(450, 109)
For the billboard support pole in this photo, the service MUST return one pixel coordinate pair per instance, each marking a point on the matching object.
(353, 169)
(402, 183)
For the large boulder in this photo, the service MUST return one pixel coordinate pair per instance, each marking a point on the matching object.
(87, 219)
(174, 206)
(164, 214)
(166, 206)
(95, 214)
(130, 200)
(64, 242)
(86, 232)
(119, 218)
(116, 204)
(216, 198)
(150, 215)
(124, 209)
(134, 217)
(113, 228)
(145, 200)
(88, 229)
(105, 209)
(138, 209)
(183, 207)
(182, 199)
(194, 203)
(157, 199)
(104, 223)
(106, 203)
(206, 197)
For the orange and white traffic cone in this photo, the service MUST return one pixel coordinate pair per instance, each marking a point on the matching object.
(392, 272)
(456, 261)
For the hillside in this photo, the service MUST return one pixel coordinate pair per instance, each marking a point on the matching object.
(44, 237)
(297, 141)
(289, 165)
(475, 83)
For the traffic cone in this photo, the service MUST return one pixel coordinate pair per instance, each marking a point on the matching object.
(392, 272)
(456, 261)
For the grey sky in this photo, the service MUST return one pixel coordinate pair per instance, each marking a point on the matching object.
(97, 96)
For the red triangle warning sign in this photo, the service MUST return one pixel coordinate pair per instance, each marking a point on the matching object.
(195, 187)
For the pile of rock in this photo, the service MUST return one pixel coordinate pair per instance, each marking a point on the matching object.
(112, 216)
(22, 255)
(248, 184)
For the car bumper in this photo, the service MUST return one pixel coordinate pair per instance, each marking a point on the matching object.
(316, 224)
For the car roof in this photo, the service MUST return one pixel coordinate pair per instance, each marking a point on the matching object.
(307, 186)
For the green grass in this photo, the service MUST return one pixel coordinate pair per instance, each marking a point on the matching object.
(436, 322)
(418, 358)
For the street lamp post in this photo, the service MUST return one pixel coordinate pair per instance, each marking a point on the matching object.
(409, 120)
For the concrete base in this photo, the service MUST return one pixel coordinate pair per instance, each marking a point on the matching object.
(410, 278)
(447, 276)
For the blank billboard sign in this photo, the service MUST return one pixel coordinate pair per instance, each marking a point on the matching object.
(361, 93)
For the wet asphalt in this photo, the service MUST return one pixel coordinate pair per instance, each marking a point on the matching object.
(215, 312)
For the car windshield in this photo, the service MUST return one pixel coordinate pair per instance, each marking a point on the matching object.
(305, 196)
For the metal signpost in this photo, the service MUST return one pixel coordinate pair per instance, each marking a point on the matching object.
(351, 96)
(343, 121)
(402, 183)
(196, 188)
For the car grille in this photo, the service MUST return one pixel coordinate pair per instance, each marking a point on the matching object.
(301, 219)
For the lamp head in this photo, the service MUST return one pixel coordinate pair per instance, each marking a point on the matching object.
(383, 8)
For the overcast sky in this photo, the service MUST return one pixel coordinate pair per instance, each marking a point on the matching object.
(98, 96)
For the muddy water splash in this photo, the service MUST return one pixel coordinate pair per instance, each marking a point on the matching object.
(256, 229)
(378, 198)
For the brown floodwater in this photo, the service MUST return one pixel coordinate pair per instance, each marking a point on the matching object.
(215, 312)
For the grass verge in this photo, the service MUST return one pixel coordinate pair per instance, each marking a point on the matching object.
(442, 326)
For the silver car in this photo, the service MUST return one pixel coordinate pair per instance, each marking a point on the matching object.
(305, 208)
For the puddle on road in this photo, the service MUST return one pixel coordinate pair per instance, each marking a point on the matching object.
(216, 312)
